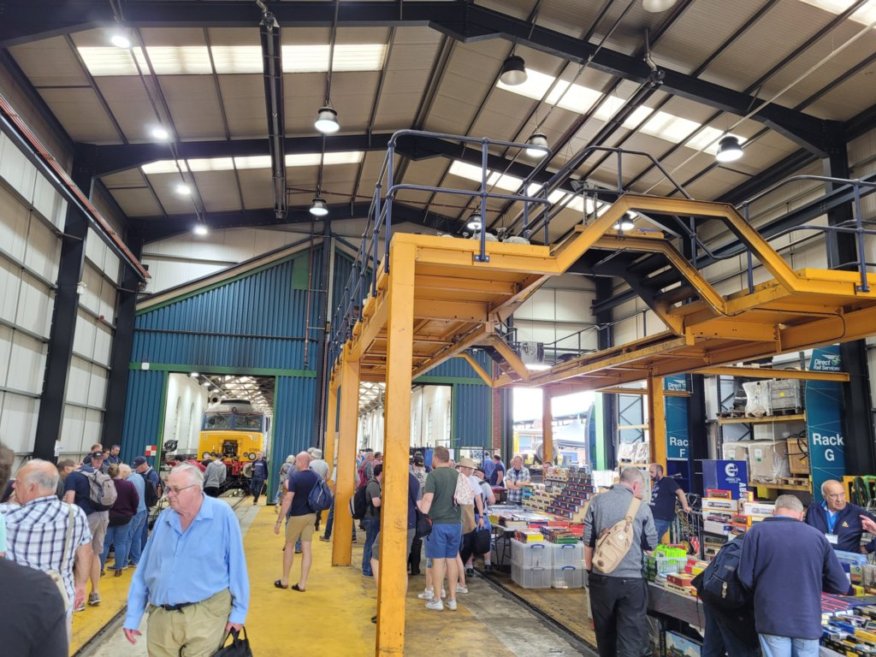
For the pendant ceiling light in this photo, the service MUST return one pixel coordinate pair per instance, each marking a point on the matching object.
(318, 207)
(474, 222)
(513, 71)
(657, 6)
(537, 146)
(729, 149)
(327, 120)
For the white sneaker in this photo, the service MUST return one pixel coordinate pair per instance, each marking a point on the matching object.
(461, 589)
(451, 605)
(436, 605)
(428, 594)
(443, 594)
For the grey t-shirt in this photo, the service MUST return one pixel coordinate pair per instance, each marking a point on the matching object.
(610, 507)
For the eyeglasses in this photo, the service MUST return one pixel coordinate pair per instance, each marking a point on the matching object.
(176, 490)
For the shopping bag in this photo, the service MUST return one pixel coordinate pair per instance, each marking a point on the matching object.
(239, 646)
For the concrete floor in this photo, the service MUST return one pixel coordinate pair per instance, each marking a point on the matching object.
(337, 607)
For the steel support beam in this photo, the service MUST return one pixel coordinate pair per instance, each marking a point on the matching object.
(27, 20)
(547, 426)
(342, 532)
(605, 340)
(392, 583)
(120, 355)
(64, 314)
(321, 363)
(657, 420)
(696, 431)
(858, 416)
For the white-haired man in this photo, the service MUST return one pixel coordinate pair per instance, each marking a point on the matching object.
(842, 522)
(193, 571)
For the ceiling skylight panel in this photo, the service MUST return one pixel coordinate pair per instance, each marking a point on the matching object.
(163, 166)
(865, 15)
(253, 162)
(237, 59)
(211, 164)
(104, 61)
(180, 60)
(347, 57)
(535, 87)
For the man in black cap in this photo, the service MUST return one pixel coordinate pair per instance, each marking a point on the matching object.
(77, 490)
(153, 492)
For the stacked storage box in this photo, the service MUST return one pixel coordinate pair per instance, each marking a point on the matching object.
(786, 396)
(532, 564)
(568, 566)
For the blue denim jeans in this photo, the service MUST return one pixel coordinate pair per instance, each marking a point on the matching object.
(118, 536)
(138, 522)
(662, 527)
(372, 527)
(783, 646)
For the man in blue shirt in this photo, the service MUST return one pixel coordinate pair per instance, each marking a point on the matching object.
(842, 523)
(786, 564)
(193, 571)
(259, 477)
(497, 475)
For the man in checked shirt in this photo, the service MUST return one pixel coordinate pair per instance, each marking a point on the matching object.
(37, 531)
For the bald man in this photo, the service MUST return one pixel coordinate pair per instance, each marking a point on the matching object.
(37, 531)
(300, 521)
(841, 522)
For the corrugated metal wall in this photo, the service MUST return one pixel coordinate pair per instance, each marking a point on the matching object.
(143, 414)
(253, 324)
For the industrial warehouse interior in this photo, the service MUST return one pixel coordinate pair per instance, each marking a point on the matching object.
(271, 270)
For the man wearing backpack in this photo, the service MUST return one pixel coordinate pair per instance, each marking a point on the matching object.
(300, 521)
(78, 491)
(786, 564)
(372, 517)
(616, 528)
(152, 491)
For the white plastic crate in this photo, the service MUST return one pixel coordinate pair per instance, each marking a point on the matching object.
(568, 555)
(567, 577)
(531, 555)
(532, 578)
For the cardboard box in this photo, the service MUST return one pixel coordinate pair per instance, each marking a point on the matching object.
(735, 451)
(725, 506)
(768, 460)
(758, 508)
(798, 455)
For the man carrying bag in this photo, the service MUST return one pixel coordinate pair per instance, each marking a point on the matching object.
(616, 527)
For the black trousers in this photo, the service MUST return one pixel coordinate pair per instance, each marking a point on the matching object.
(620, 608)
(212, 491)
(415, 556)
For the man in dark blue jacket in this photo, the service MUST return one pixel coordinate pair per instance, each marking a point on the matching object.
(786, 564)
(842, 523)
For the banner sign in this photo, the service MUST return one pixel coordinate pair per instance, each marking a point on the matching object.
(824, 421)
(677, 438)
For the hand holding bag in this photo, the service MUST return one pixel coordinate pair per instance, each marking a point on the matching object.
(239, 646)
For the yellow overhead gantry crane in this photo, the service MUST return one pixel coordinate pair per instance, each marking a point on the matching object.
(440, 297)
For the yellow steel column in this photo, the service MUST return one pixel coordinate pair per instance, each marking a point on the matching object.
(331, 428)
(547, 429)
(342, 532)
(657, 420)
(392, 583)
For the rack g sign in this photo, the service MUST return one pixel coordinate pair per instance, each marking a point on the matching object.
(824, 423)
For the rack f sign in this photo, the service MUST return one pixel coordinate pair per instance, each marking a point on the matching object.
(824, 423)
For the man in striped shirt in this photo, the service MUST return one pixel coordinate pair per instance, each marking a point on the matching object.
(37, 530)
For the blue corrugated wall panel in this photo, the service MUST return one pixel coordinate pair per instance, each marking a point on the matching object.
(459, 368)
(142, 412)
(294, 400)
(343, 269)
(473, 421)
(256, 321)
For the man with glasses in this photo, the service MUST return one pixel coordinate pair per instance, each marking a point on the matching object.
(841, 522)
(193, 572)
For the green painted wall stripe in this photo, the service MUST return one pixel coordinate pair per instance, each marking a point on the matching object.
(300, 268)
(213, 369)
(159, 441)
(222, 283)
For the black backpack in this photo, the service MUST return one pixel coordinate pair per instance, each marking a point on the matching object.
(719, 585)
(359, 503)
(320, 497)
(151, 494)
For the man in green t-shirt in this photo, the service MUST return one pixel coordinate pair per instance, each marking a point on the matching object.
(442, 545)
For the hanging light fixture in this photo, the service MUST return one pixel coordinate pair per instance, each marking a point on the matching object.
(160, 133)
(626, 223)
(120, 39)
(729, 149)
(318, 208)
(475, 222)
(537, 145)
(201, 230)
(327, 120)
(183, 189)
(513, 71)
(657, 6)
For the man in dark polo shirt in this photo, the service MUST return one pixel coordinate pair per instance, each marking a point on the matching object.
(842, 523)
(76, 491)
(300, 521)
(664, 492)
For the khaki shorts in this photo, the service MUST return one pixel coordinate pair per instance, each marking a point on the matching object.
(300, 527)
(98, 523)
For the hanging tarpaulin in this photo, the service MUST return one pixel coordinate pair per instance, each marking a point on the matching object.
(677, 438)
(824, 421)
